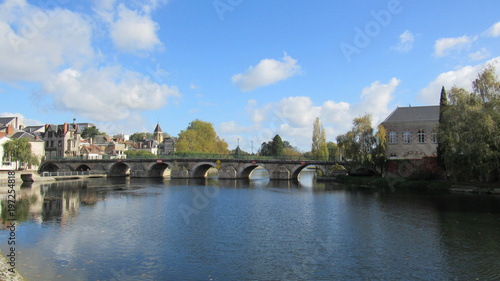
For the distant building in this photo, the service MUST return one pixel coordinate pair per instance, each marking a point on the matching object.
(62, 140)
(166, 145)
(412, 132)
(10, 125)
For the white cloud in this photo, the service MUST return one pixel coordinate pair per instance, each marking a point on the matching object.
(443, 45)
(292, 117)
(480, 55)
(134, 31)
(106, 94)
(406, 40)
(24, 120)
(494, 30)
(266, 72)
(462, 77)
(37, 42)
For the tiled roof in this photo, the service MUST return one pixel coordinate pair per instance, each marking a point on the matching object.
(6, 120)
(414, 113)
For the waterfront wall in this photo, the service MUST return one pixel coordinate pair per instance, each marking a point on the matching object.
(425, 168)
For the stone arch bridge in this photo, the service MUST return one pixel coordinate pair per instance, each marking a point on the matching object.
(185, 168)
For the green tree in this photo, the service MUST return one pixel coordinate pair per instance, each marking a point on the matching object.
(333, 151)
(201, 137)
(469, 130)
(91, 132)
(319, 146)
(443, 102)
(360, 146)
(278, 147)
(19, 150)
(137, 137)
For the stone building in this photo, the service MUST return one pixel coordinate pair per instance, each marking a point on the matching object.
(412, 132)
(62, 140)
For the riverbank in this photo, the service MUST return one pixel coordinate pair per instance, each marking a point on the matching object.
(5, 274)
(379, 182)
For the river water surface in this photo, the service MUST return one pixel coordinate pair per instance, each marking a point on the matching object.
(144, 229)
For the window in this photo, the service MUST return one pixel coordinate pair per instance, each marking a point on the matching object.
(393, 155)
(406, 137)
(393, 137)
(51, 143)
(434, 137)
(421, 136)
(59, 143)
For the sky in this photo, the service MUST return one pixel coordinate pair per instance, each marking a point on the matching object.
(252, 68)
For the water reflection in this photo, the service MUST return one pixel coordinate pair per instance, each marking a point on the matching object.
(255, 229)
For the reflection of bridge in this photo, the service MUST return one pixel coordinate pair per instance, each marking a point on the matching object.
(180, 168)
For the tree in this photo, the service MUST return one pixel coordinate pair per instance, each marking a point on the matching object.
(19, 150)
(278, 146)
(319, 146)
(91, 132)
(443, 102)
(469, 130)
(201, 137)
(360, 146)
(137, 137)
(378, 153)
(333, 151)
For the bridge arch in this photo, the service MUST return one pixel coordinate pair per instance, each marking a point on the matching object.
(49, 167)
(299, 168)
(159, 170)
(200, 170)
(83, 167)
(119, 169)
(247, 169)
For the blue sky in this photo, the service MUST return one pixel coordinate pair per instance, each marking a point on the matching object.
(252, 68)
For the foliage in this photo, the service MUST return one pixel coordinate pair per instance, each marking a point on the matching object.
(137, 137)
(319, 146)
(200, 136)
(277, 147)
(19, 150)
(361, 147)
(333, 151)
(91, 132)
(138, 152)
(469, 130)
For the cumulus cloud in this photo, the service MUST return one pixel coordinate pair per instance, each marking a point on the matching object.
(494, 30)
(292, 117)
(22, 118)
(266, 72)
(106, 94)
(462, 77)
(37, 42)
(444, 45)
(406, 40)
(134, 31)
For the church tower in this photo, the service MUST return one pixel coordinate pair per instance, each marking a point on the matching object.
(158, 134)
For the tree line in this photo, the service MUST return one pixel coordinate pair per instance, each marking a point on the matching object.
(469, 130)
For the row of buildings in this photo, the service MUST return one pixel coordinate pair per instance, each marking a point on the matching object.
(65, 140)
(411, 134)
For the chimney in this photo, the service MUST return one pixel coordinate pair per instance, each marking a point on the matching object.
(10, 130)
(65, 130)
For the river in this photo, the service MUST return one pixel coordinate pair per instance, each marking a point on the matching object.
(149, 229)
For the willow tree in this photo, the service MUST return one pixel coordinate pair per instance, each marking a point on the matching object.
(319, 147)
(19, 151)
(200, 136)
(361, 146)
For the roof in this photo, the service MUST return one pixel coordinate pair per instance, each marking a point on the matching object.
(6, 120)
(31, 129)
(19, 135)
(92, 149)
(414, 113)
(158, 129)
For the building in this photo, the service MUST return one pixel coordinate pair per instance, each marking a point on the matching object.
(62, 140)
(412, 132)
(10, 125)
(166, 144)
